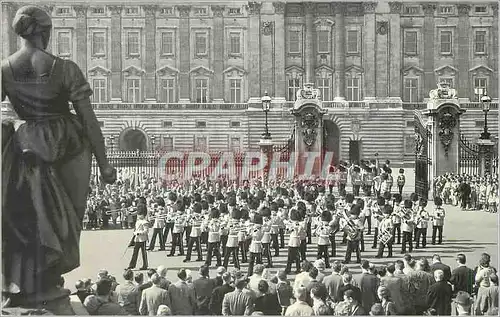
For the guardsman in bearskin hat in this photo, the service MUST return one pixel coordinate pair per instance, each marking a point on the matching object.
(422, 221)
(385, 232)
(377, 215)
(206, 215)
(255, 248)
(349, 202)
(234, 228)
(140, 238)
(186, 201)
(351, 224)
(438, 221)
(195, 221)
(275, 225)
(224, 218)
(396, 218)
(356, 179)
(334, 227)
(361, 204)
(342, 172)
(367, 180)
(301, 209)
(169, 226)
(265, 213)
(178, 230)
(407, 226)
(323, 233)
(242, 235)
(159, 225)
(297, 229)
(214, 238)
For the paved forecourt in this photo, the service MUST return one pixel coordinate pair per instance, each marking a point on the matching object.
(468, 232)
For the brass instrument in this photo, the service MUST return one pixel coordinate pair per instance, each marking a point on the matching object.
(385, 236)
(352, 230)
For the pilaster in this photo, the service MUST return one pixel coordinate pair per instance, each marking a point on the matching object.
(463, 50)
(150, 56)
(370, 51)
(218, 11)
(429, 47)
(339, 9)
(81, 37)
(279, 51)
(267, 55)
(493, 89)
(116, 53)
(395, 50)
(254, 69)
(185, 53)
(310, 59)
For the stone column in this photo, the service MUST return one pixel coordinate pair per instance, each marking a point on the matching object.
(81, 37)
(150, 56)
(219, 52)
(254, 52)
(185, 53)
(395, 50)
(279, 52)
(463, 49)
(310, 59)
(116, 53)
(339, 48)
(370, 53)
(429, 47)
(493, 89)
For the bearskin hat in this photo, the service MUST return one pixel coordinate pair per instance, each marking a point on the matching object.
(295, 215)
(280, 202)
(204, 205)
(355, 210)
(197, 208)
(214, 213)
(326, 216)
(356, 169)
(360, 203)
(291, 193)
(408, 203)
(223, 208)
(231, 201)
(273, 206)
(387, 209)
(186, 200)
(438, 201)
(197, 197)
(349, 198)
(330, 206)
(321, 189)
(380, 201)
(210, 199)
(265, 212)
(261, 194)
(254, 204)
(244, 213)
(236, 214)
(257, 219)
(301, 205)
(397, 198)
(422, 202)
(414, 197)
(342, 192)
(244, 195)
(142, 209)
(220, 196)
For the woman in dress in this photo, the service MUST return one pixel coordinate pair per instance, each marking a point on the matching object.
(46, 163)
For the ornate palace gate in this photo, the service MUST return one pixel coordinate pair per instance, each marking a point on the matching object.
(423, 139)
(469, 157)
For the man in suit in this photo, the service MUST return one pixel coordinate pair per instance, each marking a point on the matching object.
(182, 295)
(440, 294)
(395, 286)
(140, 238)
(153, 297)
(368, 284)
(462, 277)
(347, 286)
(128, 294)
(219, 293)
(438, 265)
(333, 282)
(238, 302)
(203, 288)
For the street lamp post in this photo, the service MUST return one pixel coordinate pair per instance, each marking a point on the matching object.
(485, 103)
(266, 106)
(266, 144)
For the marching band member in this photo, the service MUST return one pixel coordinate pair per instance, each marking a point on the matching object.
(188, 224)
(376, 218)
(367, 213)
(385, 231)
(396, 218)
(232, 239)
(140, 238)
(334, 226)
(225, 219)
(415, 200)
(170, 211)
(178, 230)
(407, 224)
(214, 238)
(297, 228)
(266, 235)
(438, 221)
(195, 221)
(159, 225)
(361, 204)
(206, 215)
(351, 224)
(349, 200)
(356, 180)
(367, 180)
(422, 224)
(281, 226)
(255, 248)
(242, 237)
(274, 230)
(323, 233)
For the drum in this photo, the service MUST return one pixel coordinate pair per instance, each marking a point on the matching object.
(385, 237)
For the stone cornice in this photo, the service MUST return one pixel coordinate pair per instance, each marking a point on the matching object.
(339, 8)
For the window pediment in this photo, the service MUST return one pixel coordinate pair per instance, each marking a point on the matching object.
(481, 69)
(353, 69)
(201, 70)
(167, 70)
(446, 70)
(324, 71)
(324, 24)
(413, 70)
(294, 72)
(99, 70)
(133, 71)
(234, 71)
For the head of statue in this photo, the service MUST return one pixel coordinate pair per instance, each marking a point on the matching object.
(34, 25)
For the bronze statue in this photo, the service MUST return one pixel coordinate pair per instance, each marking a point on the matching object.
(46, 167)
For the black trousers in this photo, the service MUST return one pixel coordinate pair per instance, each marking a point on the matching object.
(362, 242)
(375, 238)
(157, 232)
(242, 247)
(303, 249)
(234, 253)
(309, 233)
(177, 242)
(352, 246)
(213, 249)
(396, 233)
(139, 246)
(421, 234)
(266, 253)
(223, 241)
(355, 190)
(192, 241)
(282, 238)
(275, 244)
(400, 189)
(293, 256)
(323, 254)
(369, 220)
(407, 240)
(168, 228)
(439, 231)
(333, 244)
(381, 248)
(187, 232)
(255, 258)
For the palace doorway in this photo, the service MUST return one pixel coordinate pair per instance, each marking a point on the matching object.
(331, 139)
(133, 140)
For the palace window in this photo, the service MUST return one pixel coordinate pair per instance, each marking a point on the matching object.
(410, 10)
(64, 43)
(200, 43)
(201, 144)
(446, 41)
(99, 88)
(353, 89)
(235, 90)
(352, 41)
(168, 143)
(446, 9)
(132, 11)
(235, 144)
(234, 11)
(480, 86)
(63, 11)
(133, 90)
(410, 42)
(294, 41)
(167, 43)
(324, 86)
(293, 86)
(98, 11)
(480, 42)
(234, 43)
(99, 43)
(200, 11)
(167, 11)
(133, 40)
(410, 93)
(323, 41)
(480, 9)
(167, 93)
(167, 124)
(201, 90)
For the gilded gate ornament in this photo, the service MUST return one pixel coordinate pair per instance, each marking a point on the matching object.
(309, 125)
(447, 122)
